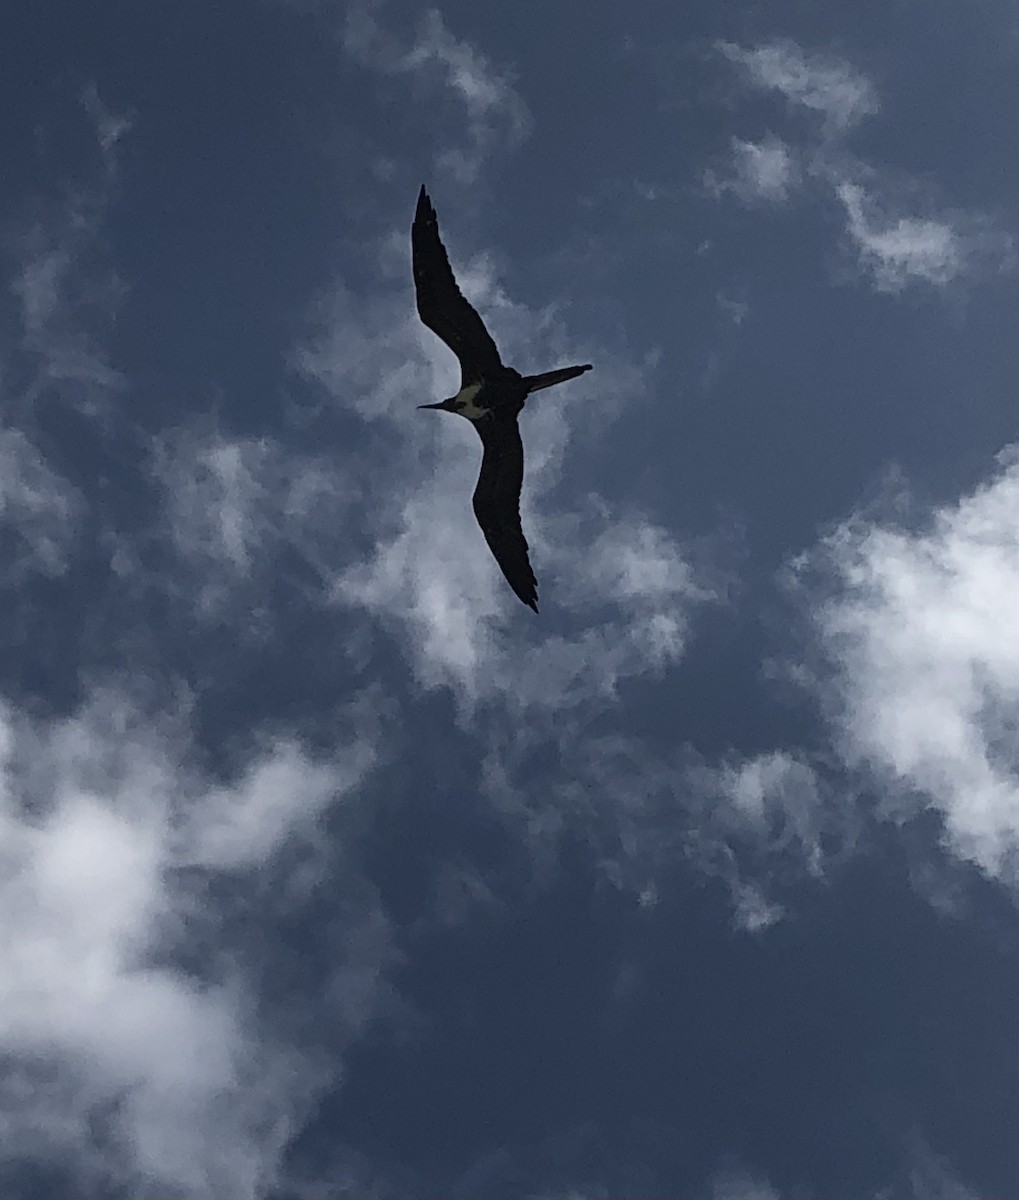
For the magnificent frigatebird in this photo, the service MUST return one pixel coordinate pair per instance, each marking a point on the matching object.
(491, 397)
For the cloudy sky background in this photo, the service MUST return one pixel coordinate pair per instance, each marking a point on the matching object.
(326, 868)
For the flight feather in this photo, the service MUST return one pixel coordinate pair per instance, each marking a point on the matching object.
(441, 304)
(497, 505)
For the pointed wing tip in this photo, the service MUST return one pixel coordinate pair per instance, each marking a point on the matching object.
(527, 590)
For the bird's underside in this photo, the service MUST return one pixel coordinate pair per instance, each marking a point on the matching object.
(491, 396)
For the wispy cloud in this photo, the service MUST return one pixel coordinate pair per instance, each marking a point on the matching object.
(39, 510)
(900, 250)
(893, 247)
(240, 827)
(781, 798)
(68, 293)
(63, 296)
(109, 126)
(896, 251)
(920, 631)
(733, 1184)
(758, 171)
(821, 83)
(761, 822)
(931, 1176)
(496, 117)
(233, 506)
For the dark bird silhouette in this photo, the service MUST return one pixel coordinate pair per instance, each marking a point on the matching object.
(491, 397)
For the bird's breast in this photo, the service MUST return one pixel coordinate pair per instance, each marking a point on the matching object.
(467, 406)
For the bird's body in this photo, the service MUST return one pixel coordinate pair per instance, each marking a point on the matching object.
(491, 397)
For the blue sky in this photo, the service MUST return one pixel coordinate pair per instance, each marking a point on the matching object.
(329, 870)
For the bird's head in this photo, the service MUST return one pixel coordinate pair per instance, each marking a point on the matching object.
(445, 405)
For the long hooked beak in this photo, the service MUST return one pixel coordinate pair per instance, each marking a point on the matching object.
(441, 404)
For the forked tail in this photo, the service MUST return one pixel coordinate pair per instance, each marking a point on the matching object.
(548, 378)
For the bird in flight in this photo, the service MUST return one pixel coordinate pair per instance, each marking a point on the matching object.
(491, 397)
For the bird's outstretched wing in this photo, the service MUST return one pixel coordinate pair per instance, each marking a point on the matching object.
(497, 504)
(441, 304)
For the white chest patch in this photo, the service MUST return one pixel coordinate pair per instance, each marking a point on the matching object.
(465, 405)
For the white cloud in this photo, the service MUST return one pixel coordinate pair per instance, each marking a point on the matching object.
(759, 822)
(780, 798)
(495, 114)
(760, 171)
(37, 506)
(821, 83)
(625, 582)
(931, 1176)
(902, 250)
(921, 632)
(435, 578)
(152, 1078)
(66, 290)
(893, 246)
(233, 506)
(68, 294)
(752, 910)
(214, 499)
(740, 1185)
(899, 250)
(585, 1193)
(61, 296)
(110, 127)
(242, 825)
